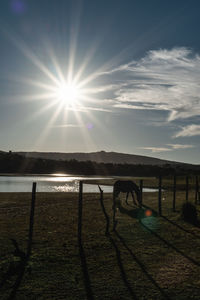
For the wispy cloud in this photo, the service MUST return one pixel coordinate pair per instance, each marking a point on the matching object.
(166, 80)
(67, 126)
(156, 149)
(88, 108)
(168, 147)
(178, 146)
(190, 130)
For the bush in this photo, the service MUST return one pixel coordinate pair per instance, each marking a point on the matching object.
(189, 213)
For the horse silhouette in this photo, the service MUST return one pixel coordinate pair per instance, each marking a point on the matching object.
(127, 187)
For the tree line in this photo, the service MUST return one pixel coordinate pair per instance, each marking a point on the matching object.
(14, 163)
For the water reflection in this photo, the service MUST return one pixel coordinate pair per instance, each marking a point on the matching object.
(54, 183)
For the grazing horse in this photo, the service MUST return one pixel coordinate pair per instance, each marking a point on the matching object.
(125, 187)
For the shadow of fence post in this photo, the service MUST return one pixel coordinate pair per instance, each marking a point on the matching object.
(104, 211)
(117, 250)
(81, 249)
(142, 266)
(24, 261)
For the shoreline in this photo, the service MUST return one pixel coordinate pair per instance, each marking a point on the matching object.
(54, 175)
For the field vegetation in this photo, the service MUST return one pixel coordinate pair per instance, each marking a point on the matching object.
(147, 257)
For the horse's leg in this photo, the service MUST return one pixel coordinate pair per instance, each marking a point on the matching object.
(127, 198)
(134, 202)
(138, 194)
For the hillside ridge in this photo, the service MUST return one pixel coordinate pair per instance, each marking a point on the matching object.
(101, 156)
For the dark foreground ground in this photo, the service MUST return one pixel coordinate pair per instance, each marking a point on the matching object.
(145, 258)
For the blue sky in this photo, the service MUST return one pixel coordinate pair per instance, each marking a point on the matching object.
(83, 76)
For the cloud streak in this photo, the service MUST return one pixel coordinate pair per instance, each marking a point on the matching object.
(178, 146)
(156, 149)
(167, 148)
(67, 126)
(187, 131)
(166, 80)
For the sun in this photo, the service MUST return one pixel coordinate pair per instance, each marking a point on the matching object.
(67, 93)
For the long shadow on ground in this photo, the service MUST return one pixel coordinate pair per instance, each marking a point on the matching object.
(170, 245)
(84, 267)
(175, 224)
(141, 265)
(180, 227)
(20, 268)
(118, 253)
(15, 269)
(134, 214)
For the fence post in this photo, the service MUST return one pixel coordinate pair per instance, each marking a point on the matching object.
(80, 208)
(160, 195)
(86, 277)
(104, 211)
(141, 191)
(186, 188)
(197, 190)
(174, 194)
(30, 237)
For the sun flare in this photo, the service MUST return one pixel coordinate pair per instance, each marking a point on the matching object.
(68, 93)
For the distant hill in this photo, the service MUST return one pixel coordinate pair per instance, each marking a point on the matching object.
(98, 163)
(102, 156)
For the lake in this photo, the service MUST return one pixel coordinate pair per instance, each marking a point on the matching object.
(53, 183)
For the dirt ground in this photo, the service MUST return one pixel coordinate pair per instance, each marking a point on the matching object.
(77, 255)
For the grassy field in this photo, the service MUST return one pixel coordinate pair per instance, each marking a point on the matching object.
(145, 258)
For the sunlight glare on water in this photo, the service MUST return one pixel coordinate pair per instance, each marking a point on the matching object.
(54, 183)
(60, 179)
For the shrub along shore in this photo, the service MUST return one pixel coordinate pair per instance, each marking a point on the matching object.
(148, 257)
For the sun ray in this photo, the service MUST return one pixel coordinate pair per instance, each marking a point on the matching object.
(34, 83)
(64, 132)
(86, 61)
(55, 63)
(74, 32)
(33, 98)
(88, 142)
(64, 89)
(38, 113)
(43, 135)
(20, 44)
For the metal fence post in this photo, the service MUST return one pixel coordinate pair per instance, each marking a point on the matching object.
(30, 237)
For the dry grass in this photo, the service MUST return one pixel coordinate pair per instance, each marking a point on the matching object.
(152, 259)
